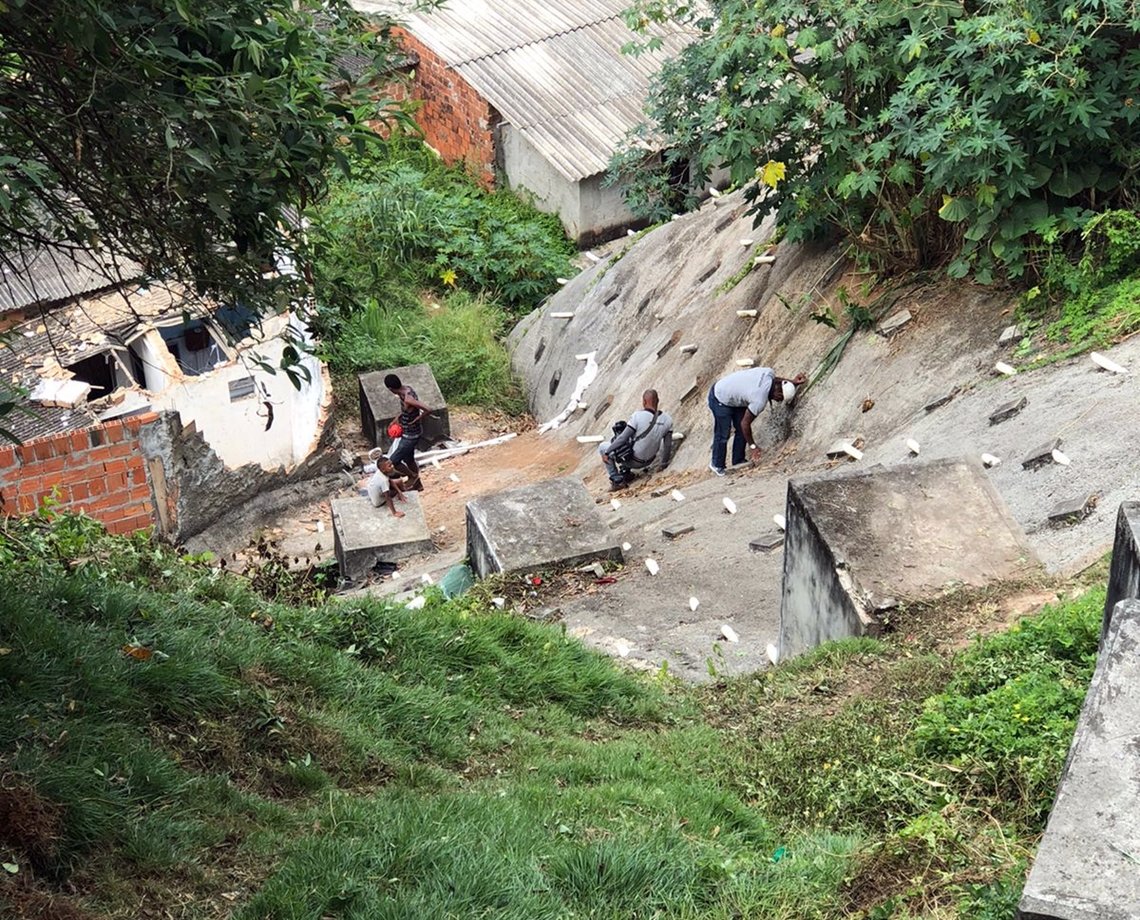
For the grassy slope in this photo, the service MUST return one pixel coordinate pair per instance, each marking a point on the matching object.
(172, 744)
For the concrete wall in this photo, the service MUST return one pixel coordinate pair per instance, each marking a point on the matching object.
(456, 121)
(603, 214)
(818, 604)
(239, 430)
(99, 471)
(1124, 575)
(1085, 867)
(533, 177)
(194, 487)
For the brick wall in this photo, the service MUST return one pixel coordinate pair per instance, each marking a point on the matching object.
(100, 471)
(456, 120)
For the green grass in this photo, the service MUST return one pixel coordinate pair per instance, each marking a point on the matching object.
(459, 338)
(355, 759)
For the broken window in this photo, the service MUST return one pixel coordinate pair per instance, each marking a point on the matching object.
(193, 346)
(100, 370)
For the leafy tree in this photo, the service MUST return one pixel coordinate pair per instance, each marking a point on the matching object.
(948, 133)
(177, 134)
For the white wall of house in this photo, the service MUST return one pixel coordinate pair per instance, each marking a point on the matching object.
(236, 428)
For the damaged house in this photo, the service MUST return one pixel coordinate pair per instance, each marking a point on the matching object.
(142, 408)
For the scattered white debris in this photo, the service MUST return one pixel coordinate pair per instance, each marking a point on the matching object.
(714, 191)
(1060, 458)
(764, 260)
(453, 478)
(747, 241)
(499, 602)
(589, 439)
(745, 362)
(562, 315)
(688, 349)
(678, 436)
(852, 451)
(63, 394)
(431, 456)
(694, 603)
(780, 522)
(1002, 368)
(426, 578)
(320, 526)
(773, 653)
(615, 504)
(746, 312)
(675, 217)
(652, 565)
(626, 547)
(912, 446)
(729, 633)
(623, 649)
(630, 233)
(1107, 363)
(593, 257)
(729, 505)
(677, 495)
(416, 603)
(562, 280)
(989, 460)
(582, 407)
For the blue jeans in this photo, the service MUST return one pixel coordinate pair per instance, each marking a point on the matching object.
(726, 421)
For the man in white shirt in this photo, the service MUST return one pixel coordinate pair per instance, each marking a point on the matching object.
(735, 401)
(647, 436)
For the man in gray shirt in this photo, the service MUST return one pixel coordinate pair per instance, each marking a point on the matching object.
(736, 401)
(649, 432)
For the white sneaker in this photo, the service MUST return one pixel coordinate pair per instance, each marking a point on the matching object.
(716, 469)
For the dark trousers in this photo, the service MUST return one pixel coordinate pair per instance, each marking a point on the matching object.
(726, 421)
(403, 457)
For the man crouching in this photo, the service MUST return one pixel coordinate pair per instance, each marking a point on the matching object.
(647, 437)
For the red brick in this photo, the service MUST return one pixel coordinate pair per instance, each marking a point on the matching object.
(26, 453)
(44, 450)
(54, 465)
(116, 482)
(97, 487)
(79, 441)
(7, 456)
(25, 504)
(78, 492)
(115, 466)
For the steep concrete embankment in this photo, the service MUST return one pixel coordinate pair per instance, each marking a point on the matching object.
(671, 289)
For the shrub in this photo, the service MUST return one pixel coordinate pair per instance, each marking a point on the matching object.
(927, 135)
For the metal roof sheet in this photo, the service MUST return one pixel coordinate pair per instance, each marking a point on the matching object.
(46, 276)
(554, 71)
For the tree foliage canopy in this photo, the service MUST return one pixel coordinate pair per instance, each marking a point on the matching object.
(175, 133)
(938, 133)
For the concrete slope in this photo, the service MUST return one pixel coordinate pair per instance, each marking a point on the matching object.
(669, 290)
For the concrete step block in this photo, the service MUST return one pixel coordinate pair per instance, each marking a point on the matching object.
(1008, 410)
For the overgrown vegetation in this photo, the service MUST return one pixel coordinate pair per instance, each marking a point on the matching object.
(416, 262)
(973, 137)
(169, 735)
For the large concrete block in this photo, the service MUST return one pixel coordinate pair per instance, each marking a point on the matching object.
(857, 543)
(548, 523)
(1124, 575)
(1088, 864)
(363, 535)
(378, 406)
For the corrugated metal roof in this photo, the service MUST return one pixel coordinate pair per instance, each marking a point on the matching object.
(554, 71)
(50, 275)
